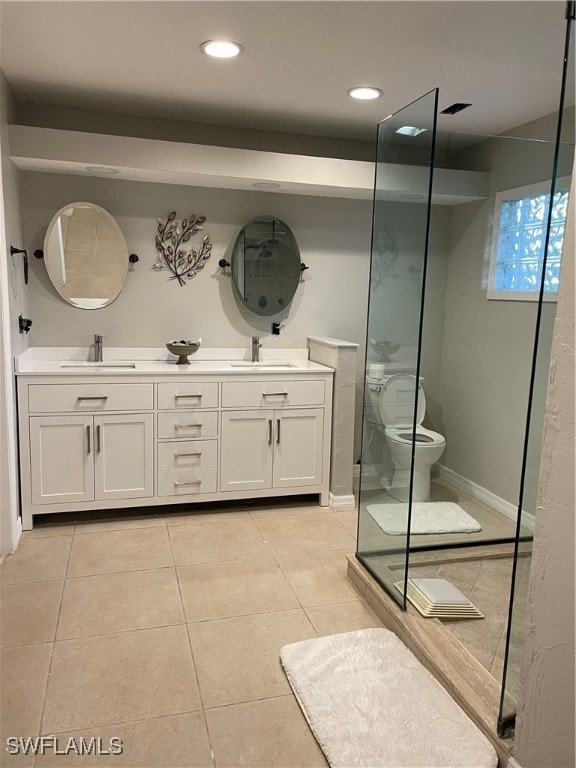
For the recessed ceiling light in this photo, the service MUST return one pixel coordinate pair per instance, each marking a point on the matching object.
(410, 130)
(266, 185)
(364, 93)
(221, 49)
(102, 170)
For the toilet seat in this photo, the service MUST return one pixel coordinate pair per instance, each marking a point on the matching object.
(424, 437)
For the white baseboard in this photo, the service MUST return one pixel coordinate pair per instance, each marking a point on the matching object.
(461, 483)
(342, 503)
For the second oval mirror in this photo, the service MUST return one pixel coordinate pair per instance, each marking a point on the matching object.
(86, 255)
(266, 265)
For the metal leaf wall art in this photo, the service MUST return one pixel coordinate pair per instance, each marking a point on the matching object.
(172, 253)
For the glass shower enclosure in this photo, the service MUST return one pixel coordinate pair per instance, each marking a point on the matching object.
(400, 231)
(453, 367)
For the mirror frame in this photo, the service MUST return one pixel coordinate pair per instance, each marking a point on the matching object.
(270, 307)
(49, 230)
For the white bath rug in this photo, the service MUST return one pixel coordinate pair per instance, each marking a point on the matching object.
(371, 704)
(427, 517)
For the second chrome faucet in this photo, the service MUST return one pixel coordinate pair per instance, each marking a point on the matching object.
(98, 348)
(256, 349)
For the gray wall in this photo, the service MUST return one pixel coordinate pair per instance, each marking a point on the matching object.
(545, 724)
(334, 240)
(487, 345)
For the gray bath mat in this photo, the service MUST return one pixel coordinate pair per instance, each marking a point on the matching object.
(371, 704)
(427, 517)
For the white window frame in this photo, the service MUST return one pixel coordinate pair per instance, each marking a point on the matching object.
(541, 187)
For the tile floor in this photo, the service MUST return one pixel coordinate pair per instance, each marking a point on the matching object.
(487, 584)
(164, 630)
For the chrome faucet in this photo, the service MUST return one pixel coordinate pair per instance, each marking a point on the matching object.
(256, 349)
(98, 348)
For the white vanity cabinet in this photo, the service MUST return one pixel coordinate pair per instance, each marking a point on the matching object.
(272, 449)
(93, 440)
(274, 442)
(80, 449)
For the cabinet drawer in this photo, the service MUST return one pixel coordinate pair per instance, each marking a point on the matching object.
(186, 482)
(187, 454)
(187, 395)
(187, 424)
(274, 394)
(51, 398)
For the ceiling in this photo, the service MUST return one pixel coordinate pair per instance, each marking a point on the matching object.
(143, 58)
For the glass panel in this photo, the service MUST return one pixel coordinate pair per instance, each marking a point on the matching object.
(397, 277)
(546, 312)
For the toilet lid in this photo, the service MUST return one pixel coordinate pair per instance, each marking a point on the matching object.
(397, 401)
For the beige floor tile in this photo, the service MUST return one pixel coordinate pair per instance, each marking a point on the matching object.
(342, 617)
(420, 572)
(120, 523)
(494, 607)
(30, 612)
(41, 559)
(188, 517)
(24, 671)
(238, 588)
(43, 530)
(179, 741)
(482, 646)
(237, 659)
(277, 512)
(318, 577)
(349, 519)
(465, 573)
(271, 733)
(208, 542)
(116, 602)
(317, 532)
(120, 677)
(496, 575)
(117, 551)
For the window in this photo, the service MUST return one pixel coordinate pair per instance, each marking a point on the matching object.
(520, 220)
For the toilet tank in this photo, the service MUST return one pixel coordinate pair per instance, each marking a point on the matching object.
(396, 400)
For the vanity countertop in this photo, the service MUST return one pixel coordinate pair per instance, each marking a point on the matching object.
(73, 361)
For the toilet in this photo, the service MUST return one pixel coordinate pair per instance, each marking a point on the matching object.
(394, 397)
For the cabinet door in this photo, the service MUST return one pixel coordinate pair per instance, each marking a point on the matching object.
(298, 447)
(61, 463)
(123, 456)
(247, 447)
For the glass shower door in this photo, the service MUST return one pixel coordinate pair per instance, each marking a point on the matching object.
(400, 231)
(544, 329)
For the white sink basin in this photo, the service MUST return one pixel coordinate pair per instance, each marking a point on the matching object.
(97, 365)
(248, 364)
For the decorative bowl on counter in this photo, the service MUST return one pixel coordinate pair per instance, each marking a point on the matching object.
(182, 349)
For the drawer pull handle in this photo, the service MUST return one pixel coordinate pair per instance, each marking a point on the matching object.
(92, 397)
(177, 397)
(98, 438)
(277, 431)
(274, 394)
(185, 455)
(187, 426)
(269, 431)
(88, 439)
(189, 482)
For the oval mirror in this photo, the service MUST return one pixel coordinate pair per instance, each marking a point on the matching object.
(86, 255)
(265, 265)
